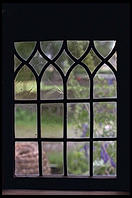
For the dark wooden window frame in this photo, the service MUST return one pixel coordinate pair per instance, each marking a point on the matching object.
(20, 24)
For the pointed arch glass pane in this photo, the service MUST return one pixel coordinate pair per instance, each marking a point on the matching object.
(113, 60)
(104, 47)
(25, 49)
(51, 48)
(104, 83)
(77, 48)
(78, 85)
(25, 85)
(38, 62)
(51, 84)
(17, 62)
(91, 60)
(64, 61)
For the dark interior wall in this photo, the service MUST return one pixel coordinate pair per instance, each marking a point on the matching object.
(21, 22)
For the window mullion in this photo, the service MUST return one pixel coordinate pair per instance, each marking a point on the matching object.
(65, 129)
(91, 126)
(39, 129)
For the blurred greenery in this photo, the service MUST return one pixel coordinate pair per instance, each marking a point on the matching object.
(78, 162)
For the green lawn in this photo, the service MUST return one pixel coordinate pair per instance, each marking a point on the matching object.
(29, 129)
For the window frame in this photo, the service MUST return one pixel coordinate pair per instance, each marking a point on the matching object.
(10, 11)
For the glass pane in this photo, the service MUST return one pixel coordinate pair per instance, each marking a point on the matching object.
(51, 48)
(78, 84)
(52, 120)
(104, 47)
(38, 62)
(104, 83)
(78, 158)
(17, 62)
(77, 48)
(104, 156)
(113, 60)
(25, 49)
(25, 84)
(78, 120)
(51, 84)
(64, 61)
(105, 119)
(25, 120)
(54, 153)
(26, 158)
(91, 60)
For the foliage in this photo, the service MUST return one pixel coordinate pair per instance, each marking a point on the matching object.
(55, 160)
(25, 115)
(77, 163)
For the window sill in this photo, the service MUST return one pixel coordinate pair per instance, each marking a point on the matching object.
(47, 192)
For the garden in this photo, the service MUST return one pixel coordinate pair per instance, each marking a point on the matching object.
(78, 114)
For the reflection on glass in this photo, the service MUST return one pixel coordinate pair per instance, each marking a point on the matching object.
(51, 48)
(104, 47)
(78, 84)
(113, 60)
(52, 120)
(105, 119)
(78, 120)
(25, 84)
(77, 48)
(78, 158)
(91, 60)
(25, 121)
(51, 85)
(64, 61)
(104, 158)
(17, 62)
(26, 158)
(24, 49)
(104, 83)
(38, 62)
(54, 154)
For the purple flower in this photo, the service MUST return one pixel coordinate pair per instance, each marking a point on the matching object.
(110, 81)
(112, 163)
(100, 124)
(106, 145)
(86, 149)
(84, 129)
(104, 155)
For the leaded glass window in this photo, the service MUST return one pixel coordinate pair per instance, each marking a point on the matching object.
(65, 96)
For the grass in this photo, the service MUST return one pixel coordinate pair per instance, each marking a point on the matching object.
(26, 125)
(29, 129)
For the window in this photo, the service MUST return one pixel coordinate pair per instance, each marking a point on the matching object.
(54, 83)
(67, 31)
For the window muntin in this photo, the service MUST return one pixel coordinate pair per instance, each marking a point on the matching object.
(65, 75)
